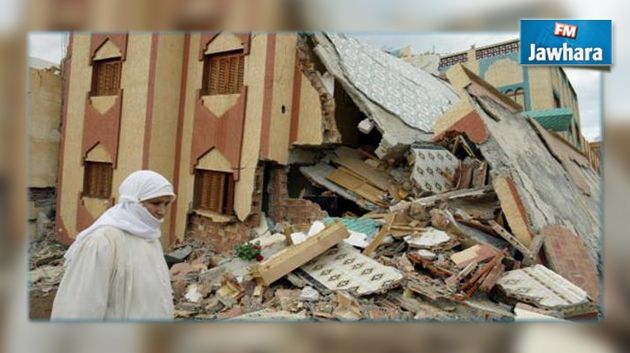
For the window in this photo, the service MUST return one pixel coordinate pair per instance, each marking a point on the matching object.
(97, 179)
(223, 73)
(517, 95)
(214, 191)
(106, 77)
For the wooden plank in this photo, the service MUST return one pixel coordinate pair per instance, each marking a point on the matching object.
(345, 179)
(513, 208)
(479, 175)
(351, 159)
(295, 256)
(528, 257)
(381, 235)
(477, 253)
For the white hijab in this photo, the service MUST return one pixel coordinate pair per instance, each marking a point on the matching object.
(128, 214)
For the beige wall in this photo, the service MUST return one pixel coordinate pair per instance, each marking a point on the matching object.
(185, 188)
(541, 93)
(311, 115)
(504, 72)
(78, 87)
(44, 135)
(166, 94)
(254, 79)
(134, 82)
(281, 105)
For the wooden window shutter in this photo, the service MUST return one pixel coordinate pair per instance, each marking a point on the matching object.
(214, 191)
(97, 179)
(223, 73)
(106, 77)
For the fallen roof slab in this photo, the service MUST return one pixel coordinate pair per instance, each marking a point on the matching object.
(514, 150)
(539, 286)
(403, 105)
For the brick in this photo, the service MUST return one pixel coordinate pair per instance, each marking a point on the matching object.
(569, 257)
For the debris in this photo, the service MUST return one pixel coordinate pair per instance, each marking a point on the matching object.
(46, 275)
(348, 308)
(426, 254)
(539, 286)
(528, 256)
(474, 254)
(270, 315)
(434, 167)
(308, 293)
(192, 293)
(289, 299)
(365, 126)
(295, 256)
(380, 236)
(429, 239)
(178, 255)
(492, 278)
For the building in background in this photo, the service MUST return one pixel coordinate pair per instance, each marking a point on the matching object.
(44, 136)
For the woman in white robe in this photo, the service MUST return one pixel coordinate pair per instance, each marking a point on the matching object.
(115, 269)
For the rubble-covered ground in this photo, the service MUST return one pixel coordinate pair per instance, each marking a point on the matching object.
(419, 255)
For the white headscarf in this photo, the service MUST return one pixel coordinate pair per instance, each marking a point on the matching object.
(128, 214)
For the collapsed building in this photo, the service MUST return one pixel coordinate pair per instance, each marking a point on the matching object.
(372, 189)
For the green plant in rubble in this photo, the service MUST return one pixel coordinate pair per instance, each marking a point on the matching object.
(249, 251)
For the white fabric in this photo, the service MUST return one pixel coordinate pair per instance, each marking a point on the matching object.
(115, 276)
(115, 269)
(128, 214)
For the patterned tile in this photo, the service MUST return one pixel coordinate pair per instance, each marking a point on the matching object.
(431, 163)
(346, 268)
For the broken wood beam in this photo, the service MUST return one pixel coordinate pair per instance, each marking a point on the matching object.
(485, 268)
(492, 278)
(295, 256)
(407, 228)
(378, 239)
(503, 233)
(513, 208)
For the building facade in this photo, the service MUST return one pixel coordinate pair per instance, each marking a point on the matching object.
(44, 96)
(206, 110)
(545, 93)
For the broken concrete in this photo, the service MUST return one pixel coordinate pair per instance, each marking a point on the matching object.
(514, 149)
(539, 286)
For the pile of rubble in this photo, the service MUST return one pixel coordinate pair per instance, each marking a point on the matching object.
(45, 268)
(493, 219)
